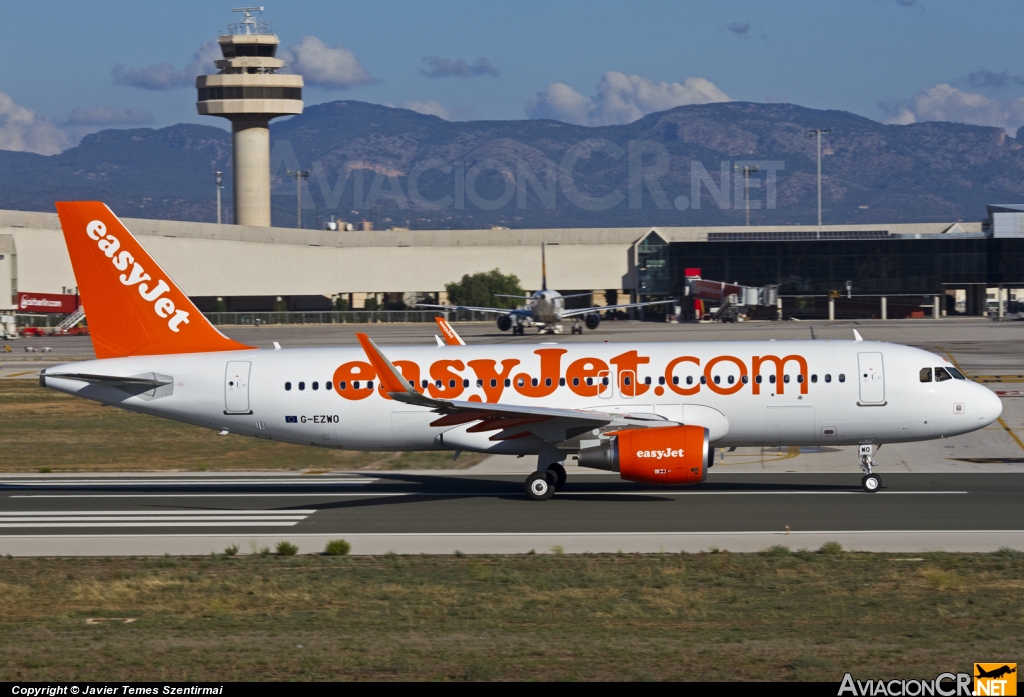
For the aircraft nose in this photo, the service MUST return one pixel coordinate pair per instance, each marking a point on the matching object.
(990, 407)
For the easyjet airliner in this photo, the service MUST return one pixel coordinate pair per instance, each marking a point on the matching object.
(653, 412)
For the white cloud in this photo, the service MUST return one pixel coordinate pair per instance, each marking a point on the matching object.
(23, 130)
(620, 99)
(946, 103)
(429, 107)
(319, 64)
(439, 66)
(105, 116)
(163, 76)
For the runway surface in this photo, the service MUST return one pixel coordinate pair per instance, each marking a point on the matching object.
(429, 513)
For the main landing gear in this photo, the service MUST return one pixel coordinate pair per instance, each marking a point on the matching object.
(871, 482)
(542, 484)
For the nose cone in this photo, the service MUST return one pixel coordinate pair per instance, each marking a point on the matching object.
(990, 407)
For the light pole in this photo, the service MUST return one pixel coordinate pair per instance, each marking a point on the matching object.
(747, 171)
(299, 175)
(220, 185)
(816, 132)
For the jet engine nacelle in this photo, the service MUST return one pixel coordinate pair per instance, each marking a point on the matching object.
(669, 455)
(504, 322)
(592, 320)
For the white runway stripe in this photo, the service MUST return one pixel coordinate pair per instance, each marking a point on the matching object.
(152, 519)
(462, 494)
(349, 481)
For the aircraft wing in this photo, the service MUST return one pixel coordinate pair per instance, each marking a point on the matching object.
(510, 421)
(588, 310)
(496, 310)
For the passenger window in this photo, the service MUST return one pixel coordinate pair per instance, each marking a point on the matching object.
(316, 385)
(785, 379)
(561, 382)
(926, 374)
(288, 386)
(771, 379)
(661, 380)
(425, 383)
(828, 377)
(731, 379)
(744, 379)
(715, 379)
(355, 385)
(814, 377)
(342, 385)
(438, 384)
(547, 382)
(604, 381)
(757, 379)
(451, 384)
(842, 377)
(465, 382)
(508, 382)
(626, 380)
(689, 380)
(800, 379)
(956, 373)
(480, 383)
(533, 382)
(647, 381)
(330, 386)
(302, 385)
(520, 382)
(494, 382)
(369, 384)
(675, 380)
(940, 375)
(590, 381)
(575, 382)
(703, 379)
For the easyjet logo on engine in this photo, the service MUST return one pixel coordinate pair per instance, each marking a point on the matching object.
(486, 379)
(659, 454)
(122, 259)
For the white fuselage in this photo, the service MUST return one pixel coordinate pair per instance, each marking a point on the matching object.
(546, 306)
(850, 392)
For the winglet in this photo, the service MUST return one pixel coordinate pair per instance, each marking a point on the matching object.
(451, 337)
(393, 382)
(857, 336)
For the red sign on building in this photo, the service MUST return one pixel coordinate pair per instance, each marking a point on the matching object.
(47, 302)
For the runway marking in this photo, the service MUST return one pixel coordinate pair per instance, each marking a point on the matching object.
(153, 519)
(462, 494)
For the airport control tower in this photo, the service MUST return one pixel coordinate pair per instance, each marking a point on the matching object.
(249, 91)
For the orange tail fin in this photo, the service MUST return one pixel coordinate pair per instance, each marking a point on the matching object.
(132, 306)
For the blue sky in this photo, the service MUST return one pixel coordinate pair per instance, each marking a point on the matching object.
(590, 62)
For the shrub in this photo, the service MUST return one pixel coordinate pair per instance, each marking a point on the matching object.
(231, 551)
(337, 548)
(831, 548)
(45, 470)
(777, 551)
(286, 549)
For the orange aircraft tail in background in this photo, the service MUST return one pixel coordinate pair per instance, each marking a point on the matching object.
(451, 337)
(132, 305)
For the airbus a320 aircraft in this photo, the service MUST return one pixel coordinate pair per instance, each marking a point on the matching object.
(545, 309)
(653, 412)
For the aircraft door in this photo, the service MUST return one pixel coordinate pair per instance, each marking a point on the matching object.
(627, 384)
(605, 388)
(236, 387)
(871, 377)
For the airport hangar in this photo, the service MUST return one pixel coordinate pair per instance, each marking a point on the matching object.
(253, 268)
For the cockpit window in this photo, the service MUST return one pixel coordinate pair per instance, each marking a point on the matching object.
(926, 374)
(941, 375)
(956, 373)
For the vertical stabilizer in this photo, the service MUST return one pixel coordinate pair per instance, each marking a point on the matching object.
(132, 305)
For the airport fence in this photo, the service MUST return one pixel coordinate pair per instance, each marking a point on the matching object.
(344, 317)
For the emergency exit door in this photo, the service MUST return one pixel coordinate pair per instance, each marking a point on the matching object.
(236, 387)
(871, 377)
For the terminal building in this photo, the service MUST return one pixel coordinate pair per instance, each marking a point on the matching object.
(241, 268)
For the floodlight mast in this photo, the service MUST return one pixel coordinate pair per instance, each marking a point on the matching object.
(299, 175)
(747, 171)
(816, 132)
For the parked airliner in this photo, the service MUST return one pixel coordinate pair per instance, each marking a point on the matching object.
(653, 412)
(545, 308)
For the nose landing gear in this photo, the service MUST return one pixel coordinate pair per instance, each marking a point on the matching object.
(870, 482)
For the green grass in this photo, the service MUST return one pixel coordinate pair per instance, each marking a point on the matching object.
(46, 431)
(772, 616)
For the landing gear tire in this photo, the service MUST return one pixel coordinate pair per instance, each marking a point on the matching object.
(556, 475)
(871, 483)
(539, 487)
